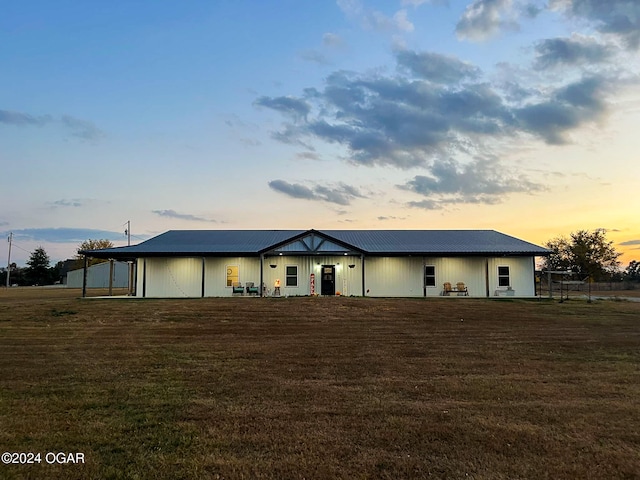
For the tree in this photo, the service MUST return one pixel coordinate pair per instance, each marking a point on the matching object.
(633, 271)
(584, 252)
(38, 271)
(92, 245)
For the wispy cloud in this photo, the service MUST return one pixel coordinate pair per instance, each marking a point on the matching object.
(483, 19)
(375, 20)
(629, 243)
(577, 50)
(341, 194)
(481, 181)
(436, 67)
(19, 118)
(64, 235)
(620, 18)
(182, 216)
(82, 129)
(74, 202)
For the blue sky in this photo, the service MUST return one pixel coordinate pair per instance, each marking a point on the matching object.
(519, 116)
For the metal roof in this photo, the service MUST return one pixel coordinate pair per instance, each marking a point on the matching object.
(373, 242)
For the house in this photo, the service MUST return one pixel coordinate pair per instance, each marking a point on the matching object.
(377, 263)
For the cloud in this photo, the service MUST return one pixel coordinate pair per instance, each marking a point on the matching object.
(483, 19)
(375, 20)
(567, 108)
(314, 56)
(397, 121)
(18, 118)
(629, 243)
(76, 202)
(417, 3)
(308, 156)
(481, 181)
(83, 129)
(577, 50)
(620, 18)
(65, 235)
(436, 67)
(293, 107)
(332, 40)
(181, 216)
(341, 194)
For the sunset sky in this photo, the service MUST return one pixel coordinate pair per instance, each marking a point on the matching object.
(517, 116)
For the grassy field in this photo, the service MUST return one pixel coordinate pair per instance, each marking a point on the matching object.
(319, 388)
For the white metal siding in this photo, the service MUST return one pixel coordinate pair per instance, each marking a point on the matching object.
(394, 276)
(98, 276)
(521, 274)
(469, 270)
(215, 277)
(348, 281)
(171, 277)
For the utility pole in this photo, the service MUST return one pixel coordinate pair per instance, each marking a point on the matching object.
(9, 258)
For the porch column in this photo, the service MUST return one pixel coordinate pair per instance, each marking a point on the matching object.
(261, 275)
(84, 277)
(364, 292)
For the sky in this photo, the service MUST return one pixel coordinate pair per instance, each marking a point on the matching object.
(521, 116)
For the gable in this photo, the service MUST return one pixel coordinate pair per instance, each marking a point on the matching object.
(312, 243)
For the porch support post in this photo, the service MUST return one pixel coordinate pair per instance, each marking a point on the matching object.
(203, 275)
(364, 292)
(111, 276)
(486, 276)
(84, 277)
(261, 275)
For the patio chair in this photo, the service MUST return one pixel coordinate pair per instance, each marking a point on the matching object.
(462, 288)
(251, 289)
(447, 289)
(237, 288)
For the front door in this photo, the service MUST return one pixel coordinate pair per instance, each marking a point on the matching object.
(328, 282)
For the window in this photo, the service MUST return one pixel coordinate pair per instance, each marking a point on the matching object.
(291, 279)
(232, 275)
(503, 277)
(429, 276)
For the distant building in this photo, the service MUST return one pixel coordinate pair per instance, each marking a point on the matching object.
(98, 276)
(379, 263)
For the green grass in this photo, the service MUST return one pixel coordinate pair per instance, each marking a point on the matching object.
(321, 388)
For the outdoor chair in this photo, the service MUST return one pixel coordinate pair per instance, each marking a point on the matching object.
(237, 288)
(251, 289)
(447, 288)
(461, 288)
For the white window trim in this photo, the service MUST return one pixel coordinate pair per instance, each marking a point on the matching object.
(287, 276)
(505, 287)
(226, 275)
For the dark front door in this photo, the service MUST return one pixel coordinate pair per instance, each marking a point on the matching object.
(328, 283)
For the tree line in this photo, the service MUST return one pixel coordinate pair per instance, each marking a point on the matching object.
(39, 270)
(584, 252)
